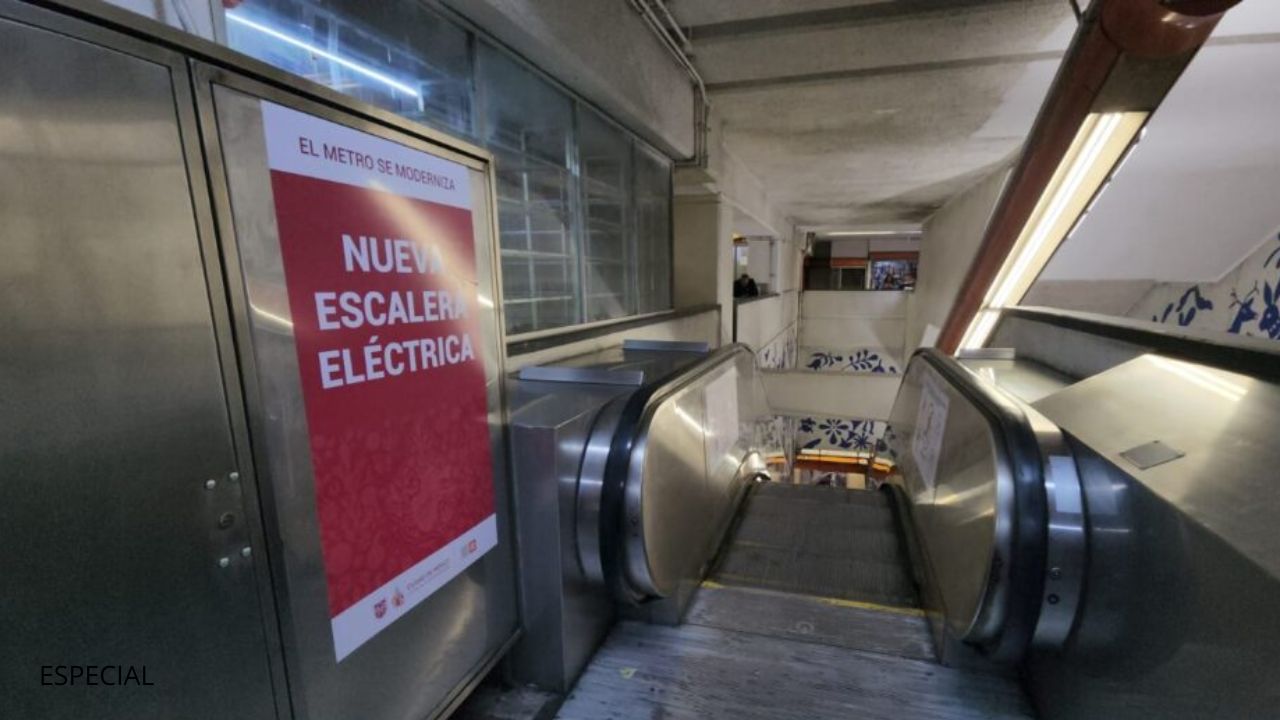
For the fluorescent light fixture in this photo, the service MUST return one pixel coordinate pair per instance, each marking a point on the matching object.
(331, 57)
(871, 233)
(1098, 147)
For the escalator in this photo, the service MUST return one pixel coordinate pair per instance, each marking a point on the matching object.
(1013, 563)
(822, 602)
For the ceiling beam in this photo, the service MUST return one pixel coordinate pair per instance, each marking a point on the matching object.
(844, 16)
(883, 70)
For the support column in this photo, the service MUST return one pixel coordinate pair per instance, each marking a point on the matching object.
(703, 253)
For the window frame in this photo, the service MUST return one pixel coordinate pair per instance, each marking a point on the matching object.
(638, 254)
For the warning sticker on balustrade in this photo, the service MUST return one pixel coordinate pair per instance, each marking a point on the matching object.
(930, 429)
(379, 263)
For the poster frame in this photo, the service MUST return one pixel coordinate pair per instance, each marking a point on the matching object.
(244, 386)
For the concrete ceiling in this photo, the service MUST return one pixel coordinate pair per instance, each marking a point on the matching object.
(873, 112)
(1198, 193)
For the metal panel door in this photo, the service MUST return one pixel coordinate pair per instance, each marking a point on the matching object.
(123, 533)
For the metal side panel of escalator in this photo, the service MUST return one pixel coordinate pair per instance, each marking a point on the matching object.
(630, 463)
(652, 516)
(1174, 436)
(1089, 538)
(992, 498)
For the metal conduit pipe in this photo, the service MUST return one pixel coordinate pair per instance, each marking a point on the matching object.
(674, 27)
(665, 30)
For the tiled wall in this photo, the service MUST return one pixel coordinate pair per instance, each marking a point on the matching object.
(854, 360)
(1243, 302)
(780, 353)
(813, 433)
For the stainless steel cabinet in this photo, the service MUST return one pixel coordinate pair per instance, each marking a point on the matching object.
(156, 507)
(125, 529)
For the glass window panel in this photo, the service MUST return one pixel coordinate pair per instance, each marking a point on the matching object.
(519, 317)
(528, 125)
(584, 216)
(604, 156)
(396, 55)
(553, 313)
(554, 243)
(552, 279)
(606, 244)
(517, 281)
(653, 231)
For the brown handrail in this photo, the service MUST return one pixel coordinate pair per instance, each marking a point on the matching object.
(1126, 55)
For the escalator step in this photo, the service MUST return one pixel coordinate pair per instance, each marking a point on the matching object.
(897, 632)
(821, 541)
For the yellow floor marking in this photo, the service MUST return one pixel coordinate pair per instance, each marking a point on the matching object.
(836, 602)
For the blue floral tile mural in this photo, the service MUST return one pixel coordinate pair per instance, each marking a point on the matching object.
(776, 436)
(780, 353)
(857, 360)
(1242, 303)
(1187, 306)
(840, 434)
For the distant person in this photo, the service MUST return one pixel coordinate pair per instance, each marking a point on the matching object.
(745, 286)
(890, 282)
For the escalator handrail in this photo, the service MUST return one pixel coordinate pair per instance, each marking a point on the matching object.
(1005, 621)
(601, 536)
(639, 575)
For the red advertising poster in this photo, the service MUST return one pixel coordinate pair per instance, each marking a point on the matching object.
(379, 262)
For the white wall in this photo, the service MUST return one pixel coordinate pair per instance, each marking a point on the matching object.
(862, 247)
(850, 247)
(835, 319)
(760, 261)
(836, 395)
(947, 249)
(769, 327)
(1199, 189)
(791, 262)
(895, 245)
(760, 321)
(703, 255)
(1106, 297)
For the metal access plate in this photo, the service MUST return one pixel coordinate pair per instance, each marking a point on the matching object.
(1151, 454)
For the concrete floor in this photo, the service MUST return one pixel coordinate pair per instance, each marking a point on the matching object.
(810, 613)
(694, 671)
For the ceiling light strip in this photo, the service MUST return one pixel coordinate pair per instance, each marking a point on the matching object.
(331, 57)
(1103, 141)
